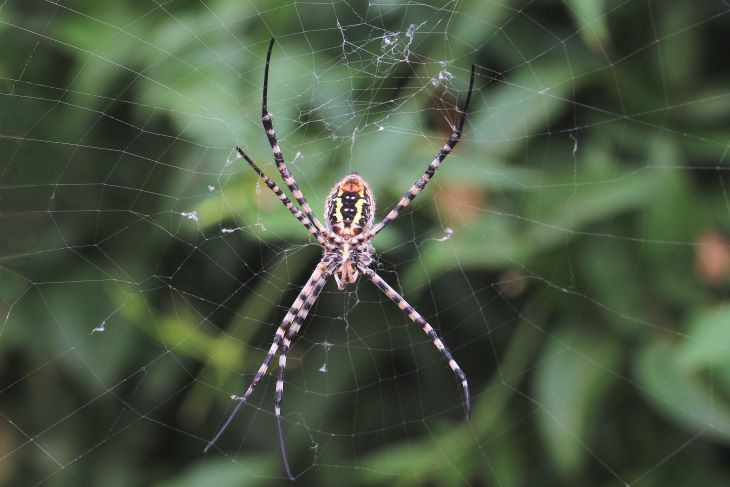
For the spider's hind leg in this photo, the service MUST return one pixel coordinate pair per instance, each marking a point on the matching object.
(289, 327)
(306, 300)
(416, 317)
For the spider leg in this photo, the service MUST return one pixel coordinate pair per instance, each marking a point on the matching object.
(284, 199)
(430, 170)
(416, 317)
(278, 157)
(320, 274)
(296, 324)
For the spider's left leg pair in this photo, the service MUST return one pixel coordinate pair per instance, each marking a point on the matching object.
(276, 149)
(284, 199)
(315, 284)
(284, 334)
(416, 317)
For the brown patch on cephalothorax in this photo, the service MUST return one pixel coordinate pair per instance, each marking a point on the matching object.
(352, 185)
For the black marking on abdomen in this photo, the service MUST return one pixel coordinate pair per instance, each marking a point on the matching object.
(348, 209)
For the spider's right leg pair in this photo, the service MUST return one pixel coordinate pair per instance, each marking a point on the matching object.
(430, 170)
(416, 317)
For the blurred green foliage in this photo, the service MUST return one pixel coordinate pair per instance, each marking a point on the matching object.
(573, 252)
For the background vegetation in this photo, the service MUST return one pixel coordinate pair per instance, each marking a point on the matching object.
(573, 251)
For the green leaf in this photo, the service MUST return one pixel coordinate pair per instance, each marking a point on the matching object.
(244, 472)
(708, 341)
(569, 386)
(683, 397)
(499, 239)
(671, 214)
(590, 19)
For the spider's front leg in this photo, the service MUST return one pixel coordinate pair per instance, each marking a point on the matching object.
(276, 149)
(430, 170)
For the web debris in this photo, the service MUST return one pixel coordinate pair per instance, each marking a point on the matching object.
(444, 76)
(190, 215)
(448, 233)
(327, 346)
(396, 46)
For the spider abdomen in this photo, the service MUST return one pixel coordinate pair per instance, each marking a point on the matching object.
(350, 207)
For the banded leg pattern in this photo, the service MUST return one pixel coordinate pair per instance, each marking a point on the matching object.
(301, 306)
(416, 317)
(296, 324)
(284, 199)
(278, 157)
(430, 170)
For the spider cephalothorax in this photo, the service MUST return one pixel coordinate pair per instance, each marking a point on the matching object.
(349, 212)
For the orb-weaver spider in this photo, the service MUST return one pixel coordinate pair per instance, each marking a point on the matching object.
(349, 213)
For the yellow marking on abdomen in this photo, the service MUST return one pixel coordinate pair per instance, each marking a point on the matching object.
(358, 210)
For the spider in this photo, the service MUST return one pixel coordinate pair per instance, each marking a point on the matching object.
(348, 253)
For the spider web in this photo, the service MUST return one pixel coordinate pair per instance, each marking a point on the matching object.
(572, 252)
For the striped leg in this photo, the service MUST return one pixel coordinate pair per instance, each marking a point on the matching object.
(320, 274)
(293, 330)
(280, 164)
(284, 199)
(428, 174)
(428, 329)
